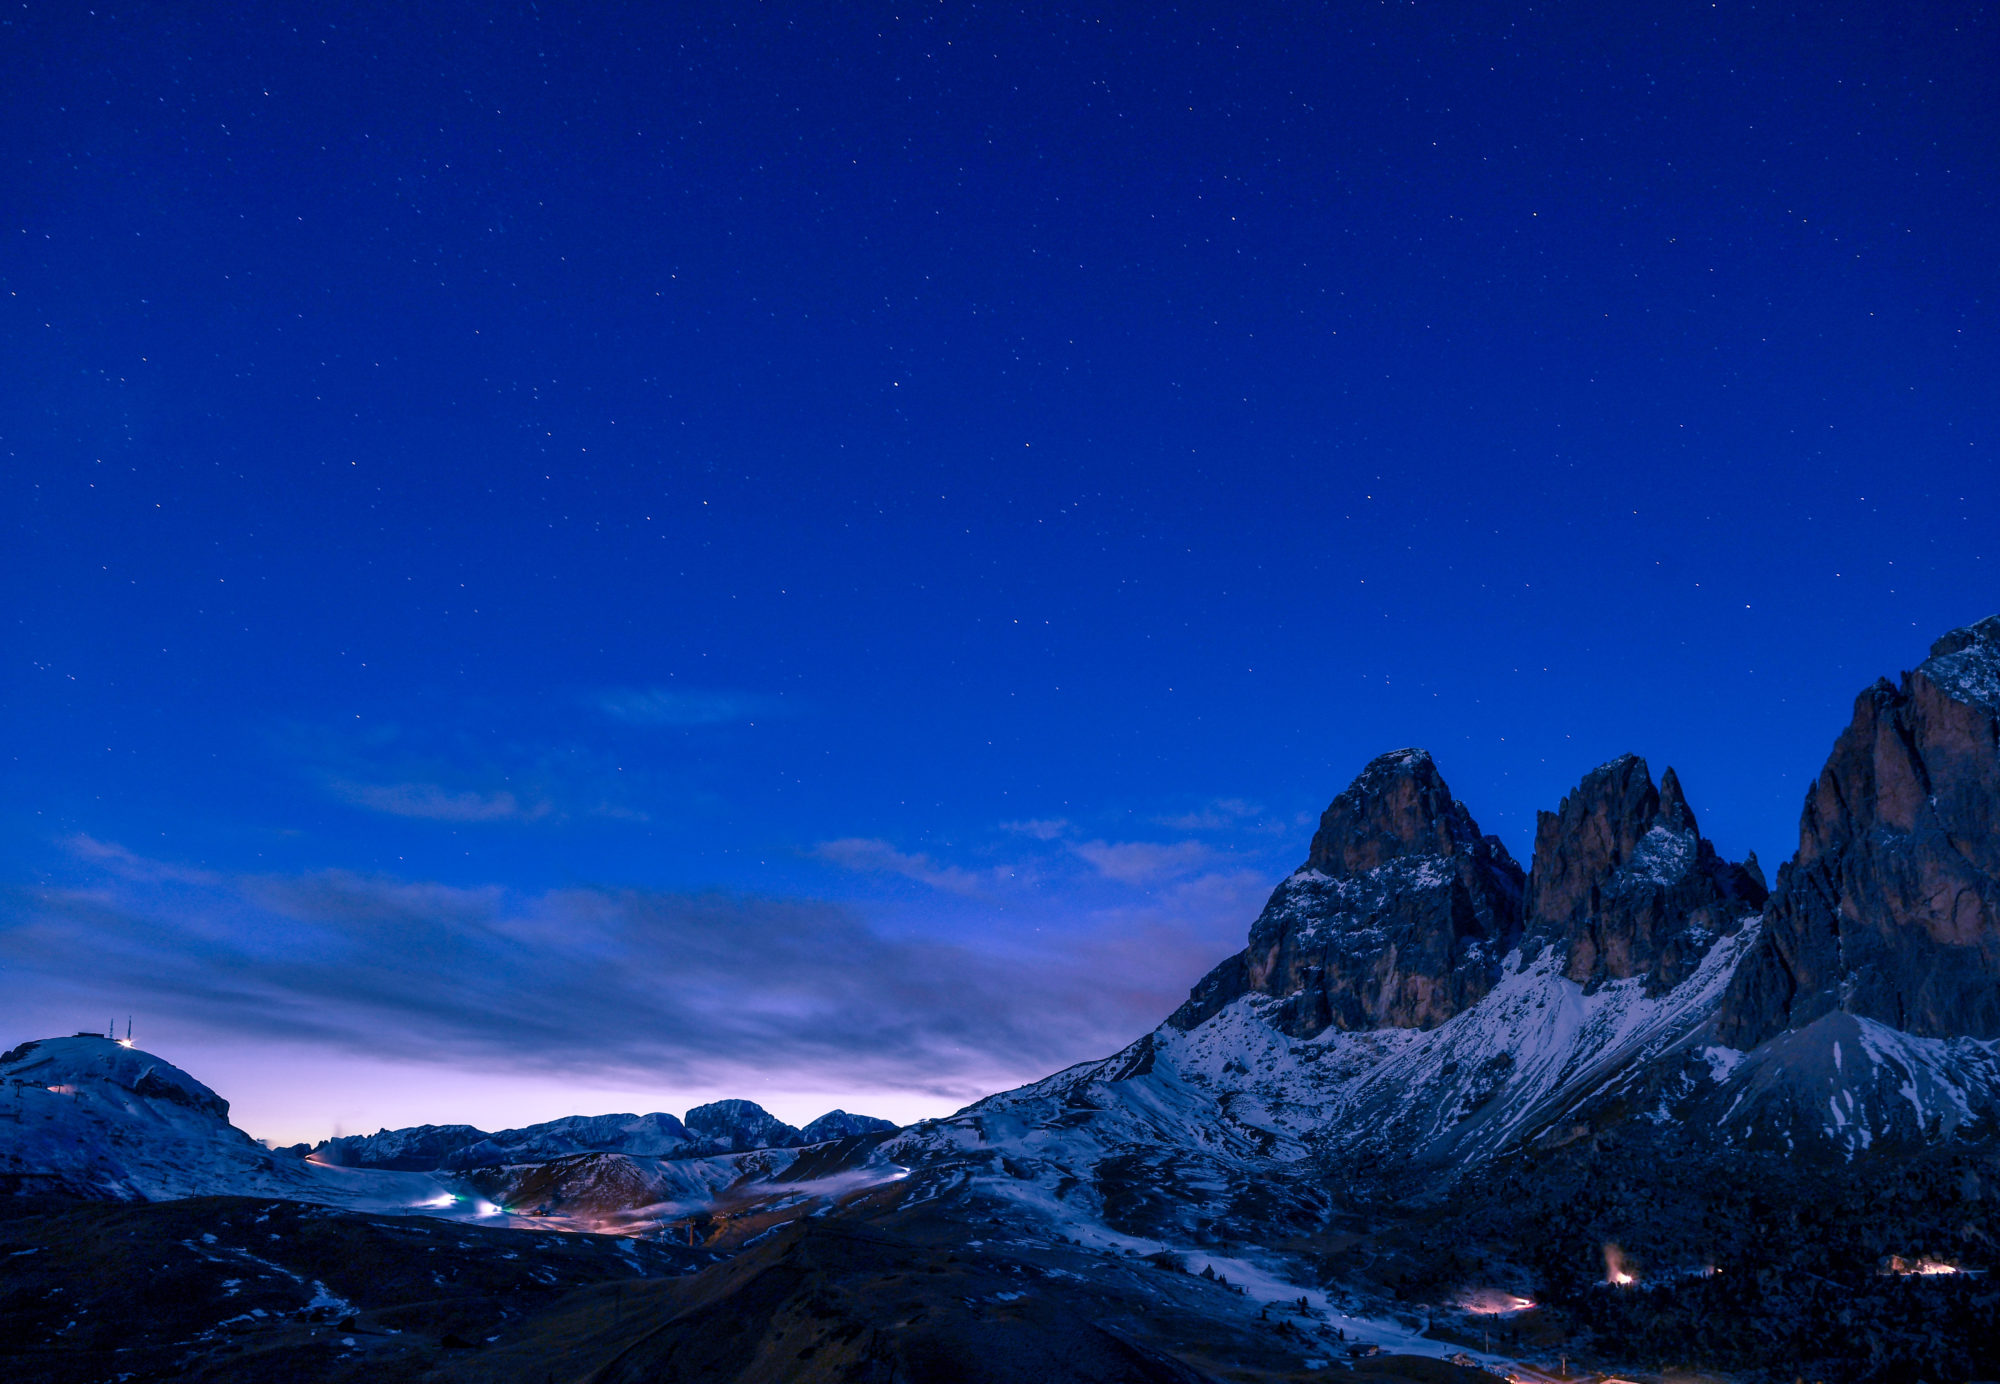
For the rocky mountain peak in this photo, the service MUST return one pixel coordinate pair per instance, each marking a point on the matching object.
(838, 1124)
(1674, 811)
(1595, 829)
(1891, 908)
(1399, 917)
(1624, 883)
(1398, 805)
(730, 1126)
(1965, 664)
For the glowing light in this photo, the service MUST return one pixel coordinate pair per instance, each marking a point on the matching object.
(1491, 1302)
(124, 1042)
(1616, 1271)
(441, 1199)
(1919, 1268)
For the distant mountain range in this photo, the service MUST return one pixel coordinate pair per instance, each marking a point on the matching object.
(91, 1117)
(1427, 1069)
(726, 1126)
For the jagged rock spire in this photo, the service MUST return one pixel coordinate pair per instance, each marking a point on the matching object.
(1399, 917)
(1624, 884)
(1674, 810)
(1397, 806)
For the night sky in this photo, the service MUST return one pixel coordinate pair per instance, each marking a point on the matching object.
(576, 558)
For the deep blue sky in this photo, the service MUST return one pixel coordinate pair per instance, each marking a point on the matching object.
(927, 500)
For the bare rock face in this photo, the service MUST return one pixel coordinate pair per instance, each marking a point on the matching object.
(732, 1126)
(1891, 909)
(1399, 917)
(838, 1124)
(1624, 883)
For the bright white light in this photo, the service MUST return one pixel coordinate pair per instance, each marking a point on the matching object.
(441, 1199)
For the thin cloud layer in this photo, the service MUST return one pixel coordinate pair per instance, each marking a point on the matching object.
(480, 769)
(436, 803)
(868, 855)
(689, 988)
(1144, 862)
(667, 706)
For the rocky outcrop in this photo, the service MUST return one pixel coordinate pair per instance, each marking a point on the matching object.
(1399, 917)
(1891, 909)
(732, 1126)
(838, 1124)
(1626, 886)
(419, 1148)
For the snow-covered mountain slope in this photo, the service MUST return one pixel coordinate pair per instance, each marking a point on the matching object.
(86, 1116)
(1235, 1131)
(1844, 1084)
(1231, 1128)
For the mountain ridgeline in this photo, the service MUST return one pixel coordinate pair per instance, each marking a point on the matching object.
(1429, 1074)
(1404, 912)
(722, 1127)
(1413, 1007)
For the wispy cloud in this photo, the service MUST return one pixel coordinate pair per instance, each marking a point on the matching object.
(872, 856)
(1144, 862)
(1040, 828)
(130, 865)
(602, 983)
(1220, 814)
(466, 764)
(670, 706)
(436, 803)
